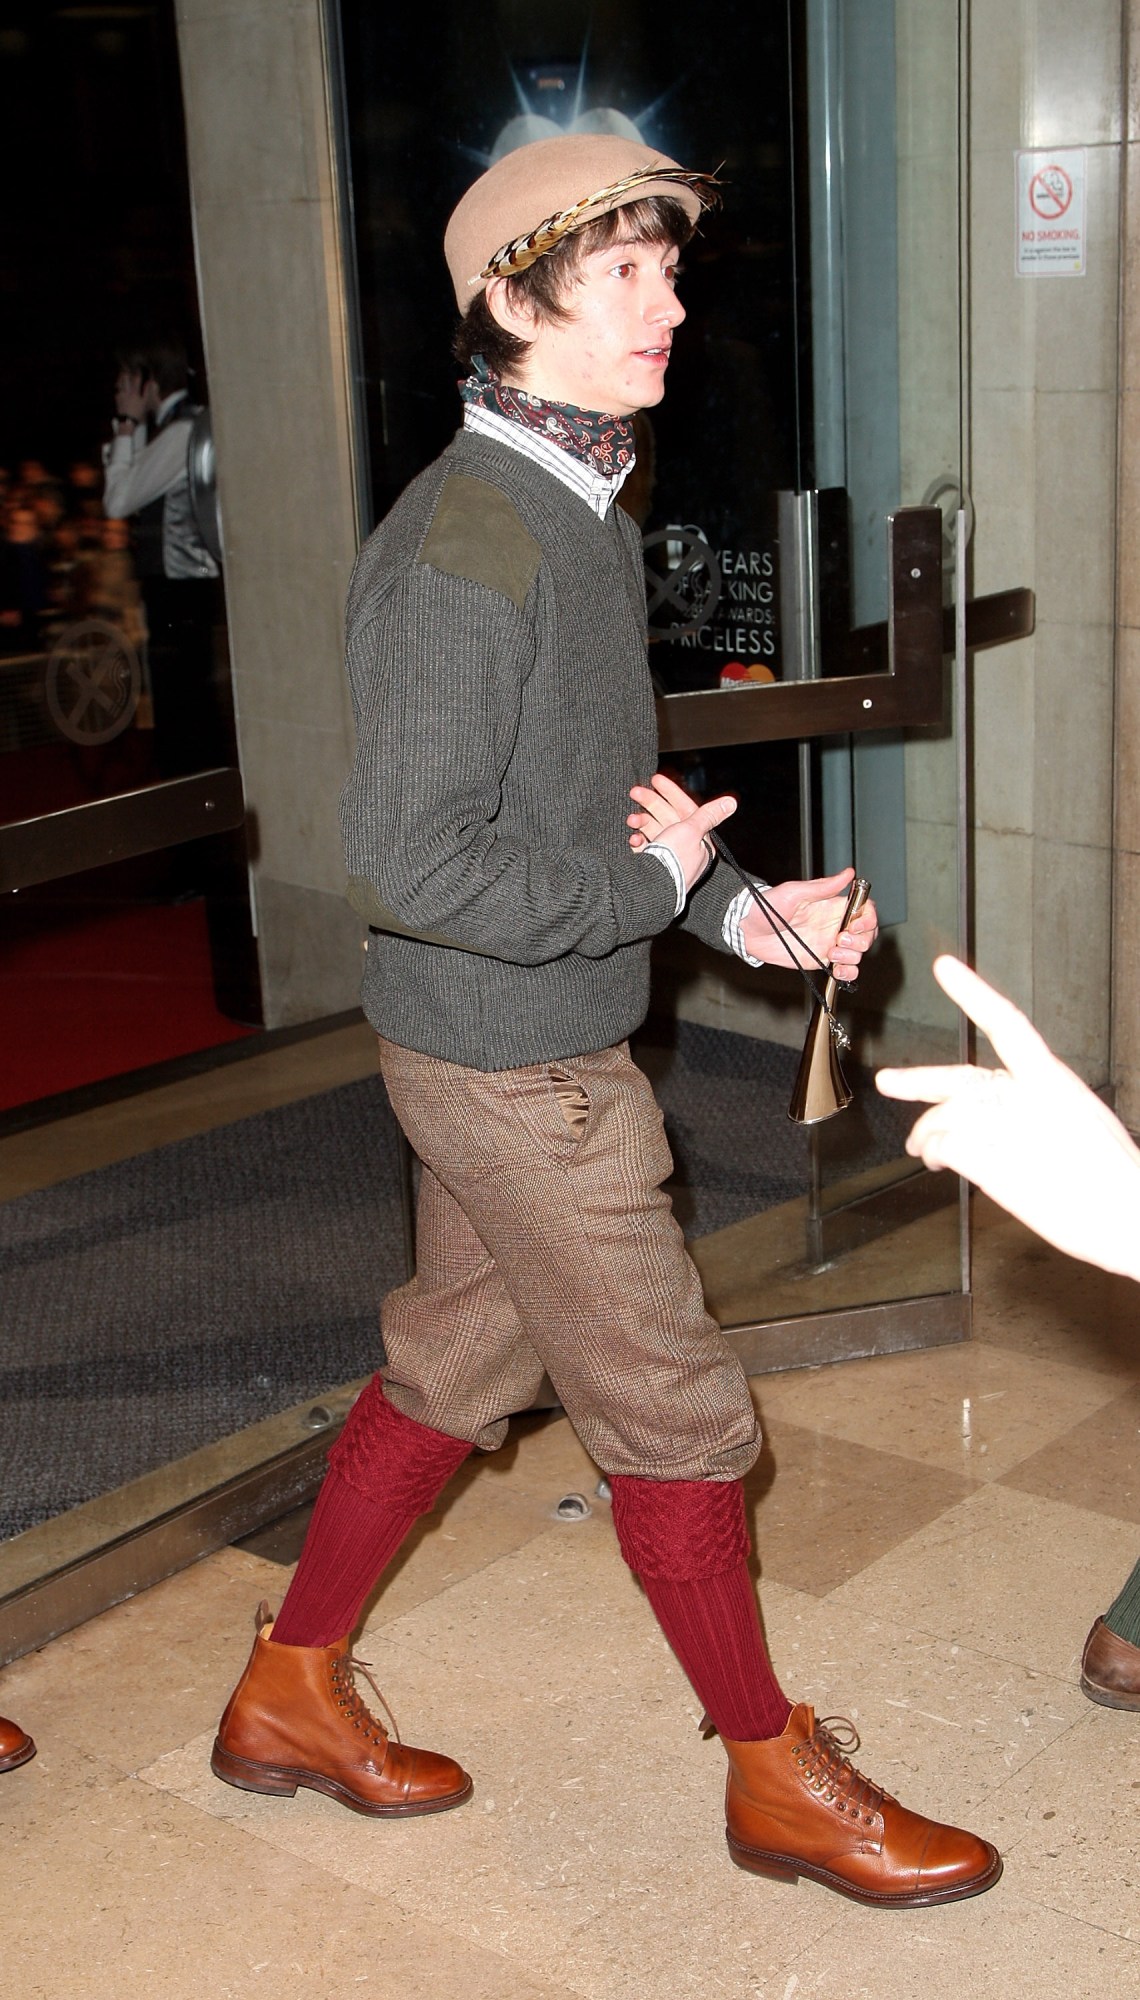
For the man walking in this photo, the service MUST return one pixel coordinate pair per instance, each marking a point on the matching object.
(497, 656)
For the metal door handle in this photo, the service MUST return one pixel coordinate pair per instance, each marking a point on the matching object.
(894, 677)
(62, 843)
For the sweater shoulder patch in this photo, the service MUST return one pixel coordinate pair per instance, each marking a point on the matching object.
(476, 533)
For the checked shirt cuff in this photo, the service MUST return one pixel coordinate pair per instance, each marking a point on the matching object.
(669, 860)
(732, 929)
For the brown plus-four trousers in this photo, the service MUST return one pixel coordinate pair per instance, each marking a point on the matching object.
(546, 1244)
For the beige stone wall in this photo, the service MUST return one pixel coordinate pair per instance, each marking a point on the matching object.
(1043, 412)
(1126, 915)
(272, 314)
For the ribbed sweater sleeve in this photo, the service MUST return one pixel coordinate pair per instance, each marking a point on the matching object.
(447, 718)
(707, 905)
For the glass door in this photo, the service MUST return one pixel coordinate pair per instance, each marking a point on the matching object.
(125, 929)
(796, 642)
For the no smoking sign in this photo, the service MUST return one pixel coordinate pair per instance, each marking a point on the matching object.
(1051, 214)
(1050, 192)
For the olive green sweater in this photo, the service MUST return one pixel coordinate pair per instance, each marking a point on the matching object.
(497, 661)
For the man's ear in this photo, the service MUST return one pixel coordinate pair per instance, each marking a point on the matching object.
(508, 312)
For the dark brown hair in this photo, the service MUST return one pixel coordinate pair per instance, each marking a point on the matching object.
(162, 361)
(547, 285)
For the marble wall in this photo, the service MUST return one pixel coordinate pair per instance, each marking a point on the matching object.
(1126, 914)
(1043, 361)
(272, 297)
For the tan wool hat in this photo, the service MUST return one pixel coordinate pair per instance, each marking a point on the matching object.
(530, 199)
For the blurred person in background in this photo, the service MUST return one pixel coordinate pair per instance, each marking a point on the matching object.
(146, 479)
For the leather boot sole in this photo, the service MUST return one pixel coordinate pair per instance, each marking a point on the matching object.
(786, 1868)
(1110, 1697)
(282, 1780)
(17, 1757)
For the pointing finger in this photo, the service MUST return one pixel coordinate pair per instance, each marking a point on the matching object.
(1011, 1035)
(929, 1085)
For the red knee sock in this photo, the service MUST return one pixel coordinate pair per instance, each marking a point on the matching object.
(687, 1541)
(385, 1470)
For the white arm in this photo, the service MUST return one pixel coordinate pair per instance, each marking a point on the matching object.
(135, 474)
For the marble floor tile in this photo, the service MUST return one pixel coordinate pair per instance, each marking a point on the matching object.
(972, 1409)
(495, 1503)
(161, 1900)
(1071, 1845)
(943, 1726)
(1029, 1297)
(1096, 1464)
(142, 1677)
(60, 1778)
(760, 1268)
(822, 1508)
(993, 1947)
(1015, 1577)
(597, 1805)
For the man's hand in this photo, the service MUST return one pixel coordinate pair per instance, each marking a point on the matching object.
(1031, 1134)
(130, 398)
(815, 910)
(668, 815)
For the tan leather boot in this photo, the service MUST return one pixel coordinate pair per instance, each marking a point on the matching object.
(1110, 1669)
(296, 1718)
(16, 1746)
(796, 1805)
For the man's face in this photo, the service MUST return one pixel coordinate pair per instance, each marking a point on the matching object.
(612, 353)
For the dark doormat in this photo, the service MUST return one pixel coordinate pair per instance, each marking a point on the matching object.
(155, 1306)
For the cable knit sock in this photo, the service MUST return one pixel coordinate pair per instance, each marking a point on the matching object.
(1123, 1617)
(687, 1541)
(385, 1470)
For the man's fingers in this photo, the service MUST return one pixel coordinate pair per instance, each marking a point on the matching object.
(927, 1140)
(710, 815)
(929, 1085)
(1011, 1035)
(823, 886)
(674, 794)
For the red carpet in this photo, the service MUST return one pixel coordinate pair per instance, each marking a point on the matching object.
(102, 989)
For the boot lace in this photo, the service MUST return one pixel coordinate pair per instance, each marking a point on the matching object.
(352, 1705)
(825, 1763)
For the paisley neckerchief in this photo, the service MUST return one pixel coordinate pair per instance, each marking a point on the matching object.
(605, 443)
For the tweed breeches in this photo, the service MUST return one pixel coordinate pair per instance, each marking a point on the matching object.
(546, 1244)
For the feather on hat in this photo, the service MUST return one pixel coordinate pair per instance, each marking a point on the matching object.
(532, 198)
